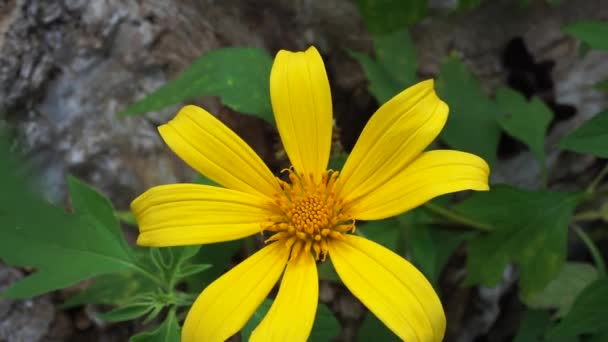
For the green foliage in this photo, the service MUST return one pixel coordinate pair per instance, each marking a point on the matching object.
(587, 315)
(325, 326)
(533, 326)
(529, 228)
(591, 137)
(112, 289)
(525, 121)
(373, 330)
(561, 292)
(394, 68)
(472, 125)
(590, 32)
(239, 76)
(468, 4)
(87, 240)
(385, 16)
(168, 331)
(429, 246)
(385, 232)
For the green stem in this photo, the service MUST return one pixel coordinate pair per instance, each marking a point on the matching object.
(150, 276)
(597, 180)
(593, 250)
(590, 215)
(457, 218)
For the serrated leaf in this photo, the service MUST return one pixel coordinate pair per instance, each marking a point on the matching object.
(394, 68)
(588, 313)
(190, 270)
(373, 330)
(591, 137)
(87, 200)
(472, 125)
(255, 319)
(529, 228)
(219, 255)
(591, 32)
(126, 313)
(325, 326)
(168, 331)
(561, 292)
(532, 326)
(525, 121)
(380, 83)
(431, 247)
(384, 16)
(37, 234)
(115, 289)
(468, 4)
(239, 76)
(328, 272)
(385, 232)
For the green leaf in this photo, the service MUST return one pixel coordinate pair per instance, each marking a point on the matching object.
(126, 313)
(255, 319)
(384, 16)
(373, 330)
(325, 326)
(394, 68)
(529, 228)
(239, 76)
(217, 254)
(168, 331)
(472, 125)
(190, 270)
(588, 313)
(591, 32)
(561, 292)
(114, 289)
(86, 200)
(591, 137)
(200, 179)
(431, 248)
(603, 85)
(336, 162)
(533, 326)
(385, 232)
(63, 248)
(468, 4)
(525, 121)
(328, 272)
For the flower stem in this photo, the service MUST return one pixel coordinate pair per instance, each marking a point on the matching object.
(457, 218)
(597, 180)
(590, 215)
(593, 250)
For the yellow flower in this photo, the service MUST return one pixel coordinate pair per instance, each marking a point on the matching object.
(313, 214)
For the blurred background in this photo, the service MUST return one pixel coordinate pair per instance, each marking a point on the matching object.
(69, 67)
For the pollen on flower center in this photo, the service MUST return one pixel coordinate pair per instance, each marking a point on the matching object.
(309, 213)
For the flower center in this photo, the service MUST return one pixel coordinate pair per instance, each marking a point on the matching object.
(309, 214)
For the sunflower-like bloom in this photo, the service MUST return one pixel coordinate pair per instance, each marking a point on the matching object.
(310, 215)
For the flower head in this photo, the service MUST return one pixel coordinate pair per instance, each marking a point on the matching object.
(311, 215)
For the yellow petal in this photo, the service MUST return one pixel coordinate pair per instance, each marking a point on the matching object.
(434, 173)
(292, 313)
(390, 287)
(227, 304)
(192, 214)
(301, 102)
(396, 134)
(214, 150)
